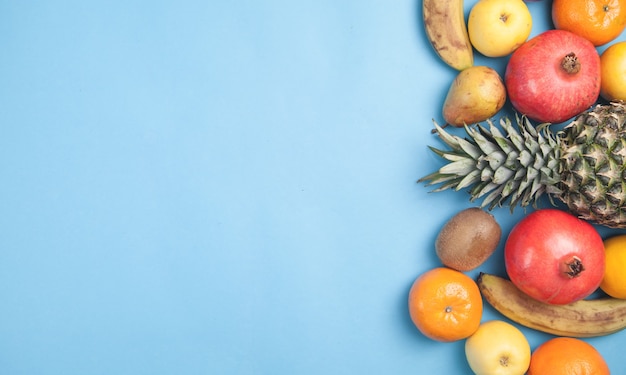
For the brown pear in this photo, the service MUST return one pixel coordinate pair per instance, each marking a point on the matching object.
(476, 94)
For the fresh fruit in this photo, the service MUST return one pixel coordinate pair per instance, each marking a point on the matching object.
(567, 356)
(498, 27)
(554, 76)
(614, 281)
(445, 305)
(444, 22)
(613, 72)
(583, 165)
(476, 94)
(468, 239)
(599, 21)
(498, 347)
(584, 318)
(554, 256)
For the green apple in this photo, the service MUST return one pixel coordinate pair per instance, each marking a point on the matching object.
(498, 348)
(497, 27)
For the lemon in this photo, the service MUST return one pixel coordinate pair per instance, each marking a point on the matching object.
(614, 281)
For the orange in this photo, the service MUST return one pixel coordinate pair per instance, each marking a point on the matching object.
(614, 281)
(445, 305)
(599, 21)
(613, 72)
(567, 356)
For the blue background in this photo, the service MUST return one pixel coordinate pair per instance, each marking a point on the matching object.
(214, 187)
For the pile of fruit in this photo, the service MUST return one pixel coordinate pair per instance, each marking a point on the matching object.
(567, 141)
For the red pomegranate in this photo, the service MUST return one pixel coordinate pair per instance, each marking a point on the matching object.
(554, 257)
(553, 76)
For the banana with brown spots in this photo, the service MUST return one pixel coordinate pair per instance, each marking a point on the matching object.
(444, 21)
(584, 318)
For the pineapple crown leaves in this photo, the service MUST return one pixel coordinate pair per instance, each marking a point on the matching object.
(511, 168)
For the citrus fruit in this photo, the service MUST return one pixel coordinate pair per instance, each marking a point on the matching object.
(445, 305)
(613, 72)
(614, 281)
(599, 21)
(567, 356)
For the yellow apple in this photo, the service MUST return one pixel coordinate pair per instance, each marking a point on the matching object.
(497, 27)
(498, 348)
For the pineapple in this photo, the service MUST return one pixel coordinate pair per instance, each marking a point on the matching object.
(582, 165)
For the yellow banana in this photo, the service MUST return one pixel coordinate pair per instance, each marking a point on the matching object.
(585, 318)
(444, 21)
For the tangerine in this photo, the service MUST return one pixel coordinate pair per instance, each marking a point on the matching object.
(613, 72)
(445, 304)
(567, 356)
(599, 21)
(614, 281)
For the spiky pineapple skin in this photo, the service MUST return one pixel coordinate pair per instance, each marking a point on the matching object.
(582, 165)
(593, 168)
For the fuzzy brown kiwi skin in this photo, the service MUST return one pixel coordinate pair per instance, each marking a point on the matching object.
(468, 239)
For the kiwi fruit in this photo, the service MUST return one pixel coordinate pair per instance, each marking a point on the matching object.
(468, 239)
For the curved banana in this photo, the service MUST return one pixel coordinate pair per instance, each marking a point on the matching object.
(584, 318)
(444, 21)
